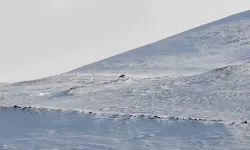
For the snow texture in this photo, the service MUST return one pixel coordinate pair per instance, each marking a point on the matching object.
(189, 91)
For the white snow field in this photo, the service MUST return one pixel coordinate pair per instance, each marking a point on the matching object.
(187, 92)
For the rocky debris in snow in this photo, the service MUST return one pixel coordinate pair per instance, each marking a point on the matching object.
(113, 116)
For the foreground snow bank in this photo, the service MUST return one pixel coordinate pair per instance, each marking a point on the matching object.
(37, 129)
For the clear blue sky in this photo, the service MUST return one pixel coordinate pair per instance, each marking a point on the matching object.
(40, 38)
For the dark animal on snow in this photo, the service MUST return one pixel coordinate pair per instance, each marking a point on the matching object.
(122, 76)
(245, 122)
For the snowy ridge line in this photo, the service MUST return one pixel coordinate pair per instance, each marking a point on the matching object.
(245, 66)
(110, 115)
(4, 84)
(74, 88)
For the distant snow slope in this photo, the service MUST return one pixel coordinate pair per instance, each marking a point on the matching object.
(219, 94)
(201, 49)
(2, 84)
(189, 91)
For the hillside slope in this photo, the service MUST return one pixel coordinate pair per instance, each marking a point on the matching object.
(223, 42)
(189, 91)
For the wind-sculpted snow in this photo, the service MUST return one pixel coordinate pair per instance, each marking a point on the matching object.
(50, 129)
(215, 94)
(216, 97)
(40, 110)
(189, 91)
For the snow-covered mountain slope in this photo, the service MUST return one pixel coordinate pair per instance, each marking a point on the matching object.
(203, 73)
(218, 99)
(221, 43)
(219, 94)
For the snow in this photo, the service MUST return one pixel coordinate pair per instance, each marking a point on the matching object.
(189, 91)
(222, 43)
(50, 129)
